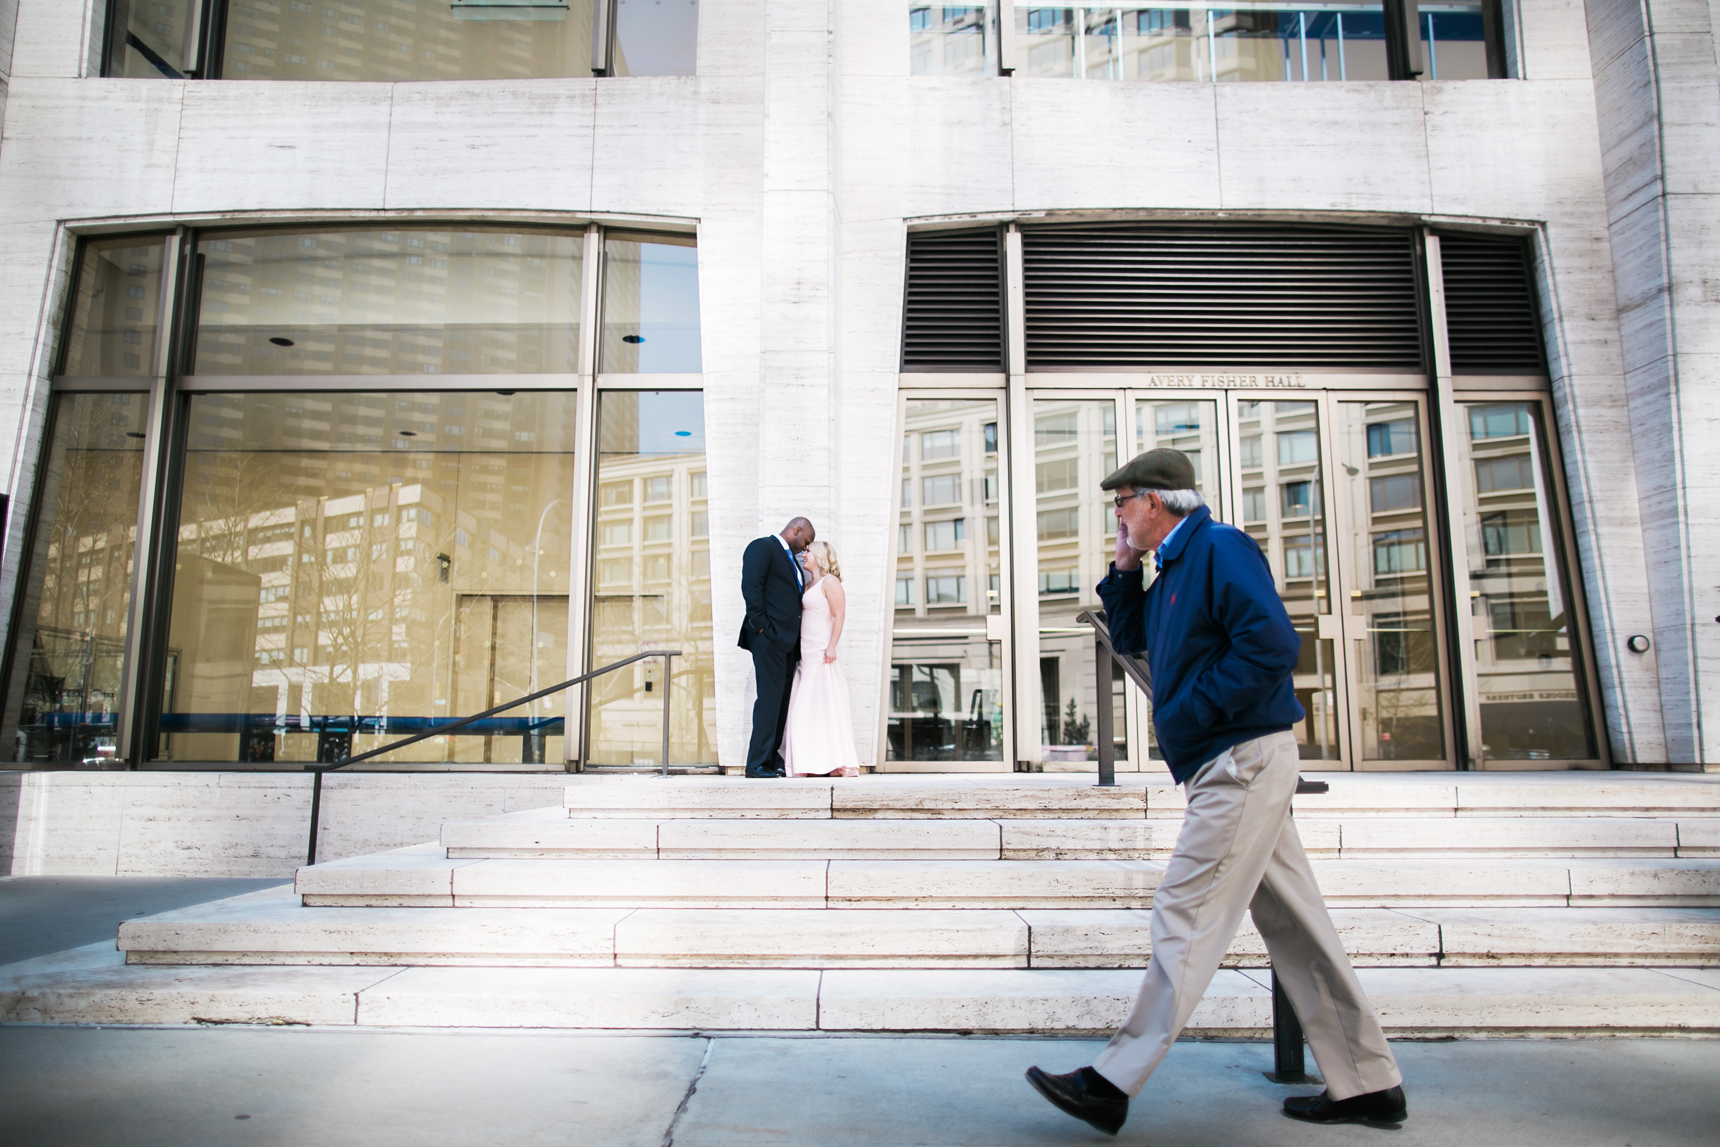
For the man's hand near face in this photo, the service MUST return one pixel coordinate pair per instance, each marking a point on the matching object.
(1128, 557)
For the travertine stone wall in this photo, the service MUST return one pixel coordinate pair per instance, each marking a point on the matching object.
(1657, 93)
(234, 824)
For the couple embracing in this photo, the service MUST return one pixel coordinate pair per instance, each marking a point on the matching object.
(795, 612)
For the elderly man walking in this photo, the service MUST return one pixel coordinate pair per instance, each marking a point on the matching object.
(1222, 650)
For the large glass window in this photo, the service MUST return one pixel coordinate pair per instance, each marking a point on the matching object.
(945, 689)
(1532, 701)
(389, 301)
(154, 37)
(1191, 41)
(356, 566)
(352, 555)
(113, 330)
(947, 39)
(650, 305)
(1454, 40)
(653, 583)
(400, 39)
(655, 37)
(63, 693)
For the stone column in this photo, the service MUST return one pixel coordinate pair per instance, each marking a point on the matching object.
(1657, 95)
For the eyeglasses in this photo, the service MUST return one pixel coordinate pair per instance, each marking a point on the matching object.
(1121, 498)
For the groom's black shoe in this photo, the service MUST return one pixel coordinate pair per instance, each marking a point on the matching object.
(756, 773)
(1375, 1107)
(1085, 1094)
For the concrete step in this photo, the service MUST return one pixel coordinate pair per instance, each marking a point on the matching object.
(546, 833)
(421, 877)
(92, 985)
(272, 927)
(1148, 795)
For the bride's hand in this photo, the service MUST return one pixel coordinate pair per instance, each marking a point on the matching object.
(830, 657)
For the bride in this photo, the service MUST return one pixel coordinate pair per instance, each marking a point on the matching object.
(819, 737)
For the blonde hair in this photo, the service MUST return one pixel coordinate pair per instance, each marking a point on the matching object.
(824, 557)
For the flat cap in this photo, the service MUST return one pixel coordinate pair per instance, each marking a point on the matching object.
(1161, 469)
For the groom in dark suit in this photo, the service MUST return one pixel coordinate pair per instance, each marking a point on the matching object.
(772, 582)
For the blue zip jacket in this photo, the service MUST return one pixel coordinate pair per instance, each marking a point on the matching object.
(1217, 638)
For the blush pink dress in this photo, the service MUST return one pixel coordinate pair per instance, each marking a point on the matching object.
(819, 736)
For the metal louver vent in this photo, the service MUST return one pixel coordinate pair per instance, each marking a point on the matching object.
(1221, 295)
(953, 317)
(1490, 313)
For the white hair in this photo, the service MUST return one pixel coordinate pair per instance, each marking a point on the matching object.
(1182, 503)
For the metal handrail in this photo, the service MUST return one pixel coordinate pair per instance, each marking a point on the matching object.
(320, 769)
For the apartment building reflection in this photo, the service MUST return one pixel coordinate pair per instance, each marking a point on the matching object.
(652, 580)
(1530, 706)
(946, 671)
(1283, 510)
(354, 566)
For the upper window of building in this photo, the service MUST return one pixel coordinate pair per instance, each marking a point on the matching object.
(404, 300)
(1268, 40)
(400, 39)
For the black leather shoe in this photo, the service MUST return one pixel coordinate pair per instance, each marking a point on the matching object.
(760, 773)
(1085, 1094)
(1375, 1107)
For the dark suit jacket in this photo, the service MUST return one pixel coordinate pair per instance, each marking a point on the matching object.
(772, 593)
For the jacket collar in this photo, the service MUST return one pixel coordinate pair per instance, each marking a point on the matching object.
(1170, 552)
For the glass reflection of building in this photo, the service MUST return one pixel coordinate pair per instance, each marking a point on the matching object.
(353, 559)
(945, 684)
(394, 40)
(1389, 607)
(652, 579)
(1283, 510)
(354, 566)
(1531, 703)
(1286, 42)
(1075, 527)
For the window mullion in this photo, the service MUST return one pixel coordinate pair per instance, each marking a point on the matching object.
(152, 581)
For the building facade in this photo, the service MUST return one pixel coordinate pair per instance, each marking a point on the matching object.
(371, 363)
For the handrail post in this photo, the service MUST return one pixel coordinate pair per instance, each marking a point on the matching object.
(1107, 735)
(316, 811)
(668, 676)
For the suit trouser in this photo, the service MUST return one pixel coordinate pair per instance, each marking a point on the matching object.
(773, 669)
(1238, 850)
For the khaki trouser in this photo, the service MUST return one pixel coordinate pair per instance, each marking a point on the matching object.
(1238, 849)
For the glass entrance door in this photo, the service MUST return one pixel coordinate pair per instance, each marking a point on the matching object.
(1280, 475)
(1388, 572)
(1075, 535)
(1331, 486)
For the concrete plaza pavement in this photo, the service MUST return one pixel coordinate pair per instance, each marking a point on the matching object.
(79, 1087)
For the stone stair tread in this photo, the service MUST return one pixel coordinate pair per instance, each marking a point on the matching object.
(903, 796)
(544, 834)
(92, 985)
(271, 926)
(414, 878)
